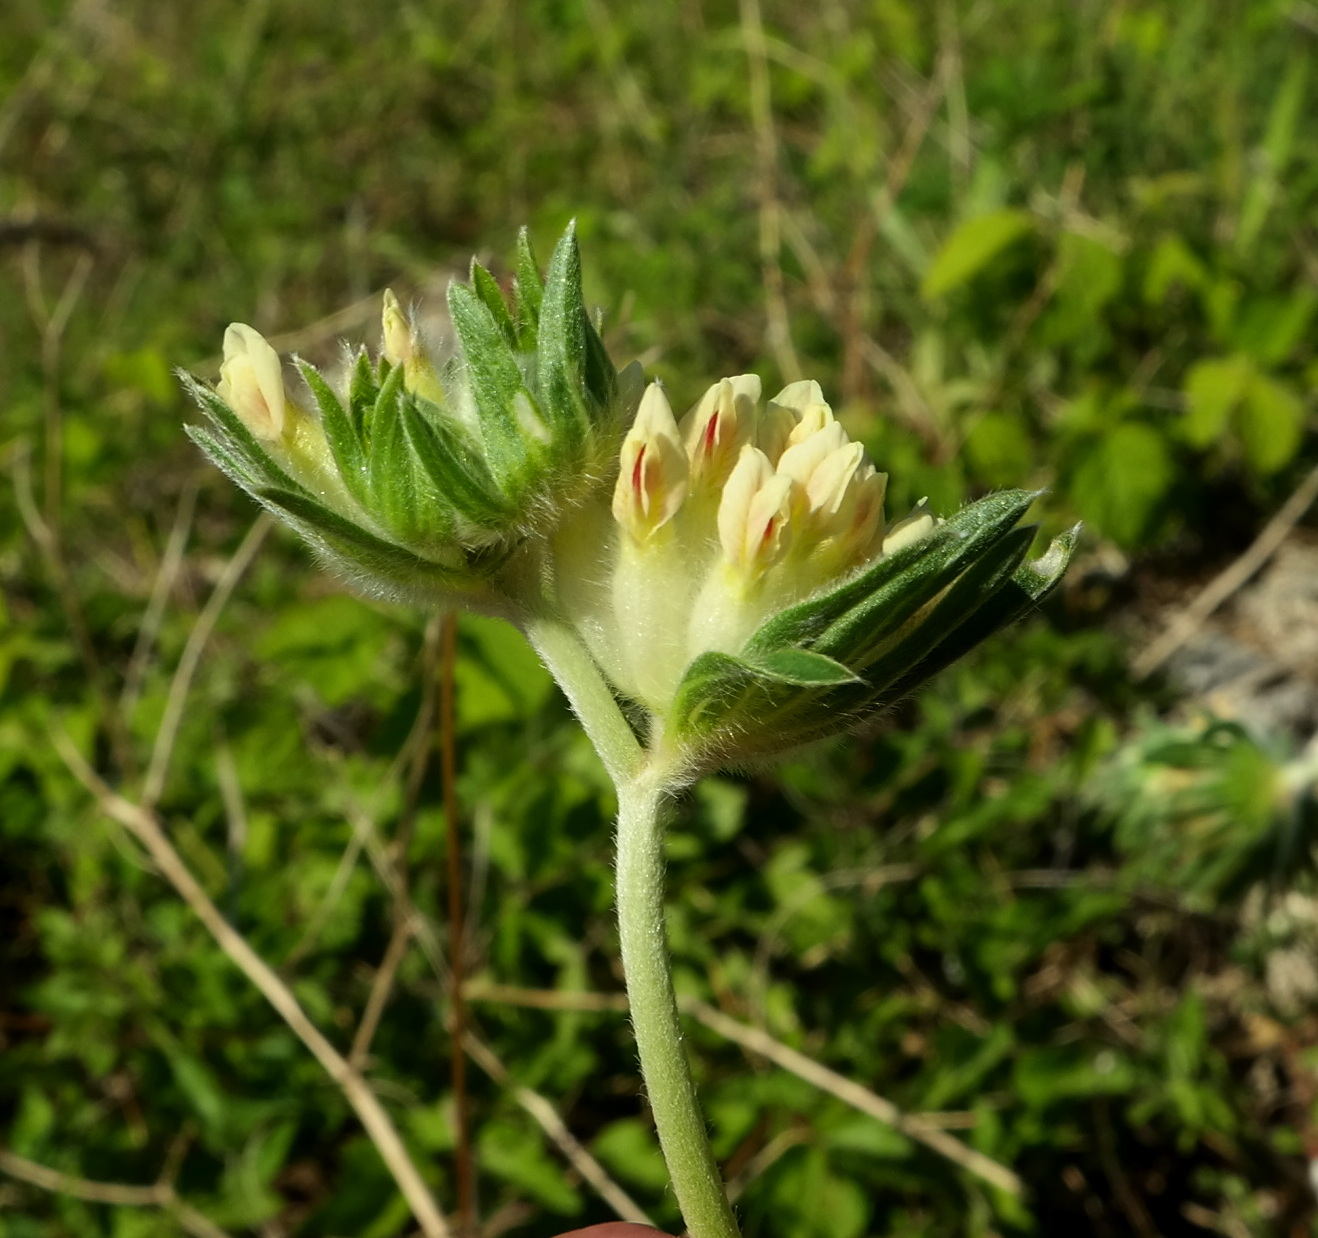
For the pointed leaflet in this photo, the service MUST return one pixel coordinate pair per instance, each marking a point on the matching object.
(454, 464)
(802, 669)
(714, 682)
(904, 654)
(403, 495)
(496, 387)
(978, 528)
(356, 547)
(561, 348)
(530, 293)
(718, 693)
(599, 375)
(887, 581)
(709, 689)
(486, 287)
(363, 391)
(339, 432)
(891, 581)
(987, 598)
(1028, 586)
(221, 454)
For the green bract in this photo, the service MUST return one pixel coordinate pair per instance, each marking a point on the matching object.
(818, 666)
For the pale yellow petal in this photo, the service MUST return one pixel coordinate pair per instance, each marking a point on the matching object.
(653, 469)
(252, 381)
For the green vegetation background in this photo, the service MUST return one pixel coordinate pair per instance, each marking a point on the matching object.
(1020, 242)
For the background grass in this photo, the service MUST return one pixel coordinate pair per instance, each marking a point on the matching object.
(1022, 242)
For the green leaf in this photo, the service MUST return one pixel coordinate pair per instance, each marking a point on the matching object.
(802, 668)
(340, 432)
(1172, 263)
(1121, 481)
(628, 1147)
(355, 548)
(1270, 423)
(497, 387)
(1032, 581)
(1089, 276)
(403, 495)
(971, 247)
(1045, 1075)
(906, 657)
(881, 597)
(1263, 186)
(363, 391)
(498, 676)
(1213, 388)
(562, 349)
(487, 288)
(1270, 329)
(975, 531)
(530, 292)
(230, 462)
(995, 590)
(454, 464)
(240, 445)
(516, 1155)
(889, 576)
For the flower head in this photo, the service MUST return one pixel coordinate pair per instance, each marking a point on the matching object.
(777, 588)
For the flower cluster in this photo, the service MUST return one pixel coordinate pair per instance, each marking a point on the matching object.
(722, 519)
(731, 573)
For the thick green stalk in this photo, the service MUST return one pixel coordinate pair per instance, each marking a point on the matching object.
(592, 700)
(677, 1116)
(641, 784)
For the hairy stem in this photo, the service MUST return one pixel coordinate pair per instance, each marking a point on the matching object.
(677, 1116)
(642, 779)
(590, 696)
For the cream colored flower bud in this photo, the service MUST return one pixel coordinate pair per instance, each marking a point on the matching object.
(841, 494)
(754, 515)
(398, 342)
(653, 474)
(252, 382)
(804, 458)
(906, 532)
(717, 428)
(806, 401)
(857, 521)
(801, 396)
(815, 418)
(775, 430)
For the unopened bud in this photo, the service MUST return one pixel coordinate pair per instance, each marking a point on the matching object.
(652, 479)
(806, 400)
(857, 519)
(754, 514)
(906, 532)
(252, 382)
(718, 427)
(397, 344)
(804, 459)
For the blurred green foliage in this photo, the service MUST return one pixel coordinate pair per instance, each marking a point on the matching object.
(1025, 242)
